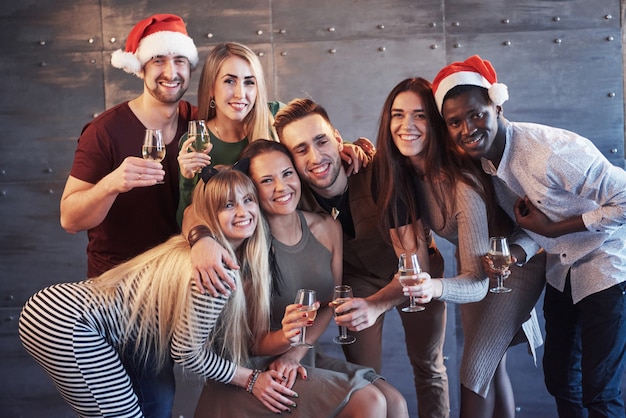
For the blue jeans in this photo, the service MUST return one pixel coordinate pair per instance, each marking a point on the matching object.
(585, 350)
(155, 389)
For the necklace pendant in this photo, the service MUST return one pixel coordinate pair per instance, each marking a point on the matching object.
(334, 212)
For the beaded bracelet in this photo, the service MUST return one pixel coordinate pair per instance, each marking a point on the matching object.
(252, 380)
(197, 233)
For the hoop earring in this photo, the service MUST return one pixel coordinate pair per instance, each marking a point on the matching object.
(212, 104)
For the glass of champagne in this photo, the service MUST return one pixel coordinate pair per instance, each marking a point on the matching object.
(306, 298)
(500, 256)
(343, 293)
(153, 147)
(408, 267)
(198, 131)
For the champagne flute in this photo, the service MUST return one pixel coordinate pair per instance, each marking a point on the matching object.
(343, 293)
(500, 256)
(306, 298)
(198, 131)
(153, 148)
(408, 267)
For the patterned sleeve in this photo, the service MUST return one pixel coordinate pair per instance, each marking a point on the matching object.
(189, 343)
(471, 284)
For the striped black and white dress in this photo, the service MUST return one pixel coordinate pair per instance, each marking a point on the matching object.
(74, 334)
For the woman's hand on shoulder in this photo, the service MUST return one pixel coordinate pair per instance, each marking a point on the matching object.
(357, 155)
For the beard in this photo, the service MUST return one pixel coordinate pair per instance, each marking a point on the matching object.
(167, 98)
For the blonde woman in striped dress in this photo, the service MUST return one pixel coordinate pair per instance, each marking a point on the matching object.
(78, 332)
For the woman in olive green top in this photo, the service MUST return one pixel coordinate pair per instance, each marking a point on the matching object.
(231, 89)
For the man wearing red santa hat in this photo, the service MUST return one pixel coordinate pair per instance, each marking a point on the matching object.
(116, 195)
(572, 202)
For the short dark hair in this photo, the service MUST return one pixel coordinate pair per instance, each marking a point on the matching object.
(295, 110)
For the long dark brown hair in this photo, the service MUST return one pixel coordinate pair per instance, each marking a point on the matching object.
(444, 164)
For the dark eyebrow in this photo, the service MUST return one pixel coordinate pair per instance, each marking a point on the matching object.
(234, 76)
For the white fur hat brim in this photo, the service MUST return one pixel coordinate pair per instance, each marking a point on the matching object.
(156, 44)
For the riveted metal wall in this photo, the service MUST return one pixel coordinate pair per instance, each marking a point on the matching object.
(561, 59)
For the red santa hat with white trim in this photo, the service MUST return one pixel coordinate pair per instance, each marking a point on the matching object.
(474, 71)
(160, 34)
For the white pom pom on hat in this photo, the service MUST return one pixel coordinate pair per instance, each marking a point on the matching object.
(474, 71)
(160, 34)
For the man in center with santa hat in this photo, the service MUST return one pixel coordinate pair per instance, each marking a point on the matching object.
(113, 193)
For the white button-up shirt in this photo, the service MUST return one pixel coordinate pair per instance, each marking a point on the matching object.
(565, 175)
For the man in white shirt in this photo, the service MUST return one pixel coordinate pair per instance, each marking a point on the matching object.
(572, 201)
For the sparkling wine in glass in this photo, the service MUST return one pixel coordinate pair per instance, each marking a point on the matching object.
(153, 148)
(343, 293)
(408, 268)
(306, 298)
(500, 256)
(198, 131)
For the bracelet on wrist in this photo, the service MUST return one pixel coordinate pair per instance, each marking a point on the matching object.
(252, 380)
(197, 233)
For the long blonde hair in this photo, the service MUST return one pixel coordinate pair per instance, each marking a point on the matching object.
(259, 123)
(156, 286)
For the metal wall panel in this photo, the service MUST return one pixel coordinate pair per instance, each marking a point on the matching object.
(529, 15)
(59, 25)
(44, 115)
(331, 20)
(351, 78)
(208, 21)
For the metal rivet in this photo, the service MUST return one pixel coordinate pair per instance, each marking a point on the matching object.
(506, 43)
(433, 24)
(283, 53)
(456, 24)
(608, 17)
(332, 51)
(209, 35)
(93, 61)
(613, 150)
(259, 32)
(434, 46)
(3, 172)
(382, 49)
(261, 54)
(95, 115)
(611, 94)
(457, 45)
(47, 170)
(43, 64)
(50, 191)
(42, 43)
(381, 26)
(557, 41)
(112, 40)
(282, 31)
(331, 29)
(556, 19)
(609, 38)
(505, 21)
(91, 40)
(11, 297)
(3, 193)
